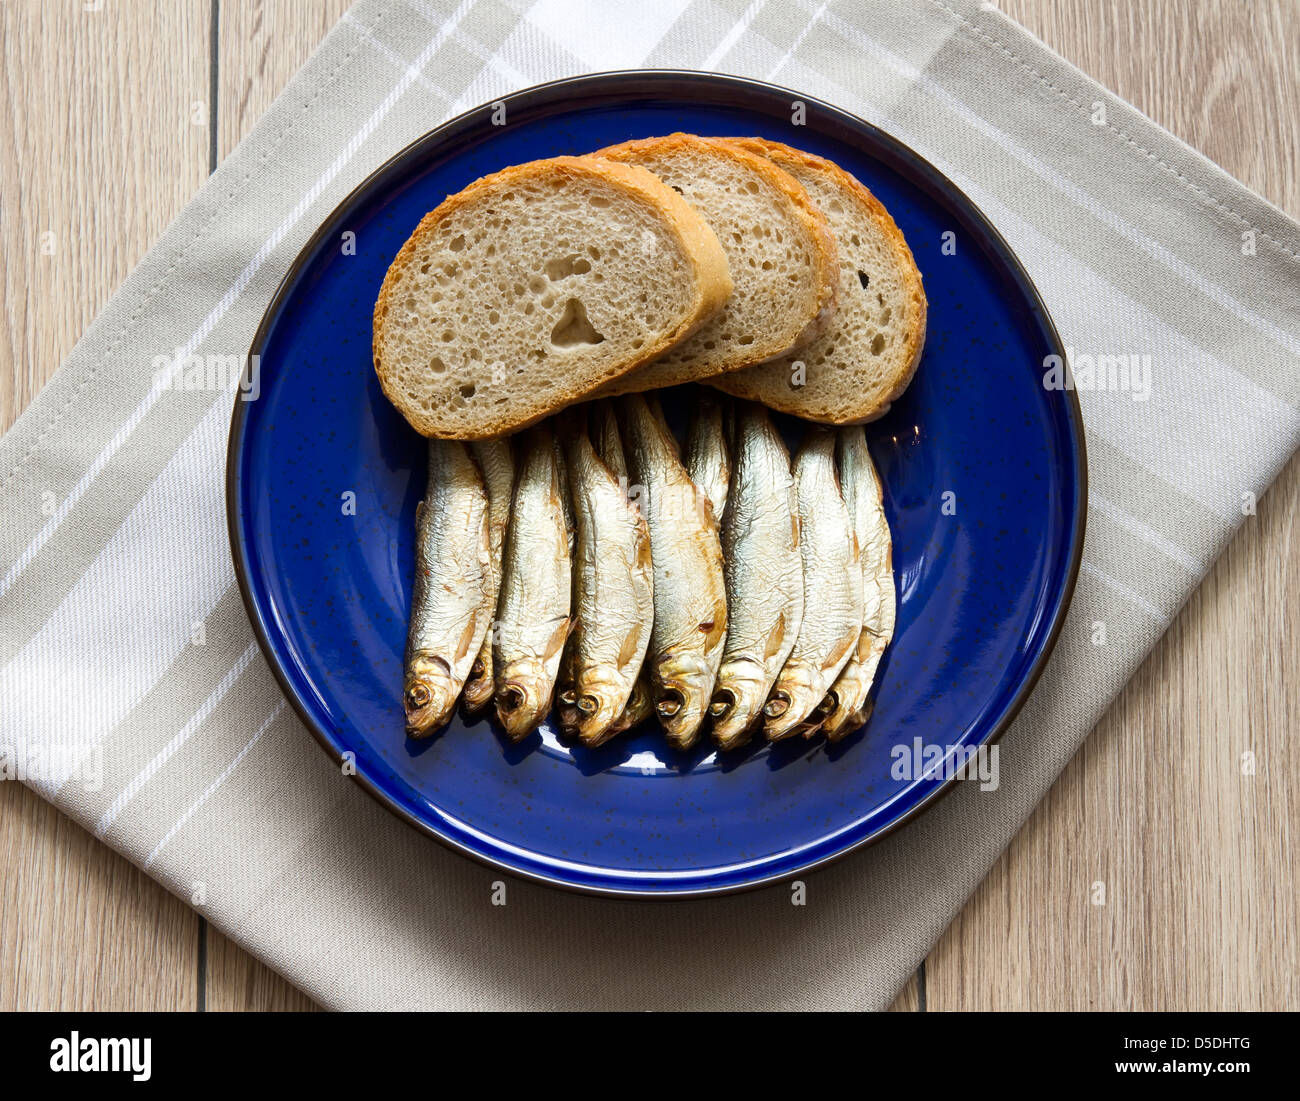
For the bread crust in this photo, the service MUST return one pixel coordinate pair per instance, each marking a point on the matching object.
(813, 221)
(801, 403)
(700, 247)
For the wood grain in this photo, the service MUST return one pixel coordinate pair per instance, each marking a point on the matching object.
(237, 982)
(1196, 858)
(260, 47)
(1223, 75)
(100, 152)
(909, 998)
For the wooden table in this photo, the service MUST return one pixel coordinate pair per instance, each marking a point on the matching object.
(117, 115)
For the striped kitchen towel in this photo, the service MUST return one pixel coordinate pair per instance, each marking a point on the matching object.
(115, 575)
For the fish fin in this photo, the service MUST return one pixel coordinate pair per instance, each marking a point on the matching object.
(631, 644)
(715, 629)
(466, 637)
(775, 637)
(705, 504)
(485, 551)
(837, 655)
(644, 559)
(558, 638)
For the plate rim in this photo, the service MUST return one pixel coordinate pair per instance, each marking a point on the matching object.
(652, 80)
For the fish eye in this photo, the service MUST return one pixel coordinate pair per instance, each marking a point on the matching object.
(568, 697)
(418, 694)
(724, 699)
(670, 702)
(588, 705)
(512, 697)
(777, 705)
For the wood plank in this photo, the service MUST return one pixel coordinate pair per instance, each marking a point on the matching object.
(237, 982)
(909, 998)
(1196, 858)
(81, 927)
(260, 47)
(100, 151)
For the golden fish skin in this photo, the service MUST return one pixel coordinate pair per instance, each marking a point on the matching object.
(832, 585)
(708, 458)
(497, 465)
(451, 600)
(764, 575)
(533, 608)
(849, 695)
(566, 698)
(640, 705)
(613, 592)
(690, 599)
(566, 500)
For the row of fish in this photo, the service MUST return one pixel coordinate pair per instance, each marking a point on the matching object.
(591, 565)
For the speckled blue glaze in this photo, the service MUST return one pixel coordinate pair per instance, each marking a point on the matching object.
(981, 592)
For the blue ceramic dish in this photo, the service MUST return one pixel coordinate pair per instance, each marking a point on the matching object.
(983, 585)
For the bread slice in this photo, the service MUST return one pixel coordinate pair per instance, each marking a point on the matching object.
(535, 285)
(781, 252)
(868, 354)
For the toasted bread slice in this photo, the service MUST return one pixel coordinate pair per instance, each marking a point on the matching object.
(868, 354)
(781, 252)
(534, 286)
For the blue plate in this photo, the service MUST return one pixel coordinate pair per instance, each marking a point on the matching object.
(983, 584)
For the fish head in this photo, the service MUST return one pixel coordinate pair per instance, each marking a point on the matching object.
(523, 696)
(738, 700)
(681, 695)
(843, 722)
(640, 704)
(850, 695)
(428, 695)
(843, 700)
(478, 687)
(818, 717)
(797, 692)
(566, 708)
(599, 700)
(838, 708)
